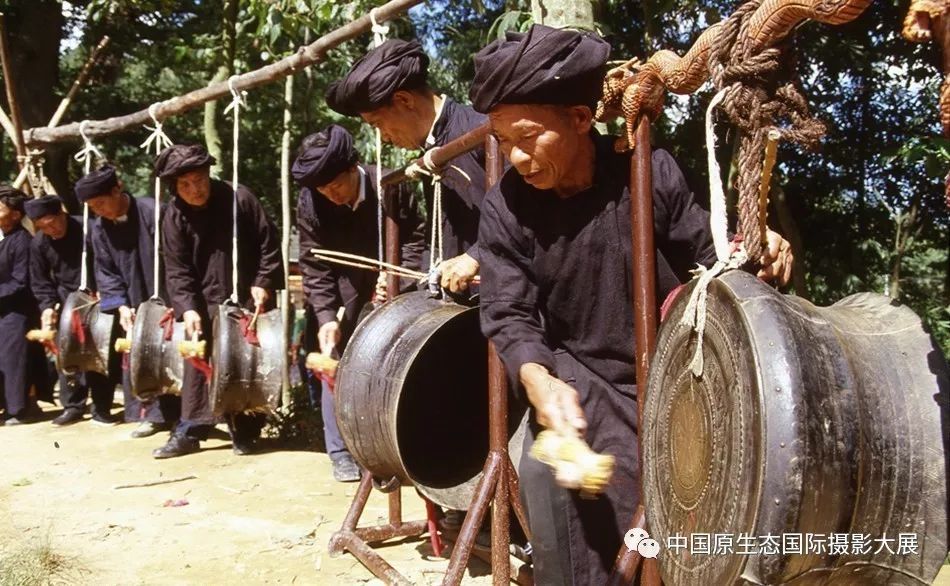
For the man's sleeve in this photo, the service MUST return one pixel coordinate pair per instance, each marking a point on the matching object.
(682, 226)
(319, 278)
(44, 289)
(181, 277)
(509, 294)
(270, 271)
(19, 272)
(412, 229)
(111, 285)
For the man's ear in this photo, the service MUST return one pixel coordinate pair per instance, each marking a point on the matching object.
(404, 99)
(582, 118)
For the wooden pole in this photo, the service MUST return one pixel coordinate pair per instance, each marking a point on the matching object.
(79, 82)
(304, 57)
(11, 98)
(286, 312)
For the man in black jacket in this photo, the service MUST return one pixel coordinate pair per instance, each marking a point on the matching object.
(197, 239)
(55, 272)
(338, 210)
(389, 89)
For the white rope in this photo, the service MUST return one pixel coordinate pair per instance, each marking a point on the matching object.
(86, 155)
(728, 258)
(718, 220)
(160, 141)
(428, 168)
(379, 37)
(237, 100)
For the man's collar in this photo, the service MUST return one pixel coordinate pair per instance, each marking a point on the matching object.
(362, 196)
(430, 140)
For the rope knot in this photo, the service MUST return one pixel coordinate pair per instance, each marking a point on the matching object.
(379, 30)
(157, 136)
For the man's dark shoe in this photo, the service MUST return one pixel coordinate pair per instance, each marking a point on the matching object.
(104, 419)
(244, 448)
(177, 445)
(68, 417)
(147, 429)
(345, 469)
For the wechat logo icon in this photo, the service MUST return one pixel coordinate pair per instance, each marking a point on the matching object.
(639, 541)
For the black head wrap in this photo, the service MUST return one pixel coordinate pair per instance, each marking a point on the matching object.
(323, 156)
(372, 81)
(13, 198)
(542, 66)
(48, 205)
(180, 158)
(96, 183)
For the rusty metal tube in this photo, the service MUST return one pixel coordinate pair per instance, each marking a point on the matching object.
(469, 141)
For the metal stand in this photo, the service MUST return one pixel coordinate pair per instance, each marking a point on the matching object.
(645, 324)
(499, 482)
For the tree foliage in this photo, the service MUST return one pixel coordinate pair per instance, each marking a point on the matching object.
(867, 208)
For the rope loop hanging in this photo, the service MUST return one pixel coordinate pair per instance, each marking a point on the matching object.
(157, 141)
(237, 101)
(88, 153)
(379, 37)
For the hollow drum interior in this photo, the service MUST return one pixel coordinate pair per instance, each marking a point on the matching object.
(442, 415)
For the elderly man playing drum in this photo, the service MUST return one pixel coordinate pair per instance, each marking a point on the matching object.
(556, 279)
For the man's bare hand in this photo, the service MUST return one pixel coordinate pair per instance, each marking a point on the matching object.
(260, 295)
(192, 323)
(556, 403)
(458, 272)
(777, 260)
(48, 319)
(328, 337)
(126, 318)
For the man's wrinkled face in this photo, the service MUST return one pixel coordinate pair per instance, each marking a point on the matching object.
(194, 187)
(110, 205)
(53, 225)
(541, 141)
(344, 189)
(9, 218)
(399, 121)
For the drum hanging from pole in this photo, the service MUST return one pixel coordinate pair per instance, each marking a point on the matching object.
(247, 373)
(820, 433)
(155, 364)
(411, 397)
(84, 337)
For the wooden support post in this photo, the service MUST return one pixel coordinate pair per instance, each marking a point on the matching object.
(17, 121)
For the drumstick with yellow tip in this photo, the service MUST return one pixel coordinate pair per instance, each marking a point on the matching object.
(575, 465)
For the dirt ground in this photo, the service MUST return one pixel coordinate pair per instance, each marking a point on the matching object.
(261, 519)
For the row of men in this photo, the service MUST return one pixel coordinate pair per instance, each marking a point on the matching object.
(550, 241)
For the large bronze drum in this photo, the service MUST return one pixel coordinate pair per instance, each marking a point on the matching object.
(84, 337)
(155, 363)
(411, 397)
(246, 375)
(811, 451)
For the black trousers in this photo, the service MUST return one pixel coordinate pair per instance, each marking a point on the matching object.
(14, 366)
(575, 540)
(74, 389)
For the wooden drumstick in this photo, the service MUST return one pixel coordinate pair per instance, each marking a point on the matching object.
(322, 362)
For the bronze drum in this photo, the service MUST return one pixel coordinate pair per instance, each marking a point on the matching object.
(155, 363)
(411, 397)
(84, 337)
(246, 376)
(815, 439)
